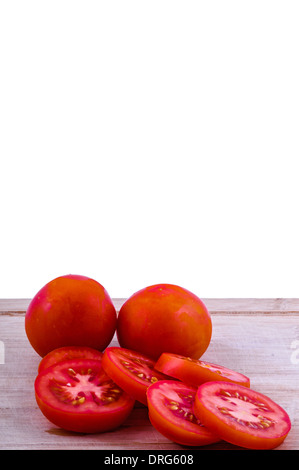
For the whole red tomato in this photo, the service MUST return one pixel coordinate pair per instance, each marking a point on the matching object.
(70, 310)
(164, 318)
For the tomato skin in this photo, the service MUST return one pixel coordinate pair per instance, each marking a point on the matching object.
(68, 352)
(89, 416)
(70, 310)
(174, 424)
(241, 416)
(195, 372)
(127, 376)
(164, 317)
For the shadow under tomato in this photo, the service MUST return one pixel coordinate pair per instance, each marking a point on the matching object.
(63, 432)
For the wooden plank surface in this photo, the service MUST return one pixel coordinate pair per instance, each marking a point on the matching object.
(258, 337)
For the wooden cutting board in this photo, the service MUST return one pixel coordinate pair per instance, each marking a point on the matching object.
(257, 337)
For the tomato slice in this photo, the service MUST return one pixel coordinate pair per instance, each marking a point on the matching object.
(77, 395)
(241, 415)
(69, 352)
(195, 372)
(170, 405)
(131, 370)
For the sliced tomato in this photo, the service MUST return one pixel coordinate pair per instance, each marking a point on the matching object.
(77, 395)
(241, 415)
(170, 405)
(195, 372)
(69, 352)
(131, 370)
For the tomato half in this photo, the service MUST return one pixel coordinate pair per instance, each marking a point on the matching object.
(69, 352)
(195, 372)
(164, 317)
(70, 310)
(241, 415)
(170, 405)
(77, 395)
(132, 371)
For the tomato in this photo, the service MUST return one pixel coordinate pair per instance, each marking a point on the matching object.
(132, 371)
(69, 352)
(170, 405)
(77, 395)
(195, 372)
(70, 310)
(241, 415)
(164, 318)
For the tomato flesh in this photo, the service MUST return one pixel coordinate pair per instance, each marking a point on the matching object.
(195, 372)
(132, 371)
(241, 416)
(77, 395)
(69, 352)
(170, 405)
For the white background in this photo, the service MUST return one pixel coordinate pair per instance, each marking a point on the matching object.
(150, 141)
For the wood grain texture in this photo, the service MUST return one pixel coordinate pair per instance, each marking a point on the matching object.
(258, 337)
(215, 306)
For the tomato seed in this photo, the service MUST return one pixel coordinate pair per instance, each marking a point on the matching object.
(183, 411)
(173, 407)
(224, 411)
(266, 425)
(252, 425)
(110, 399)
